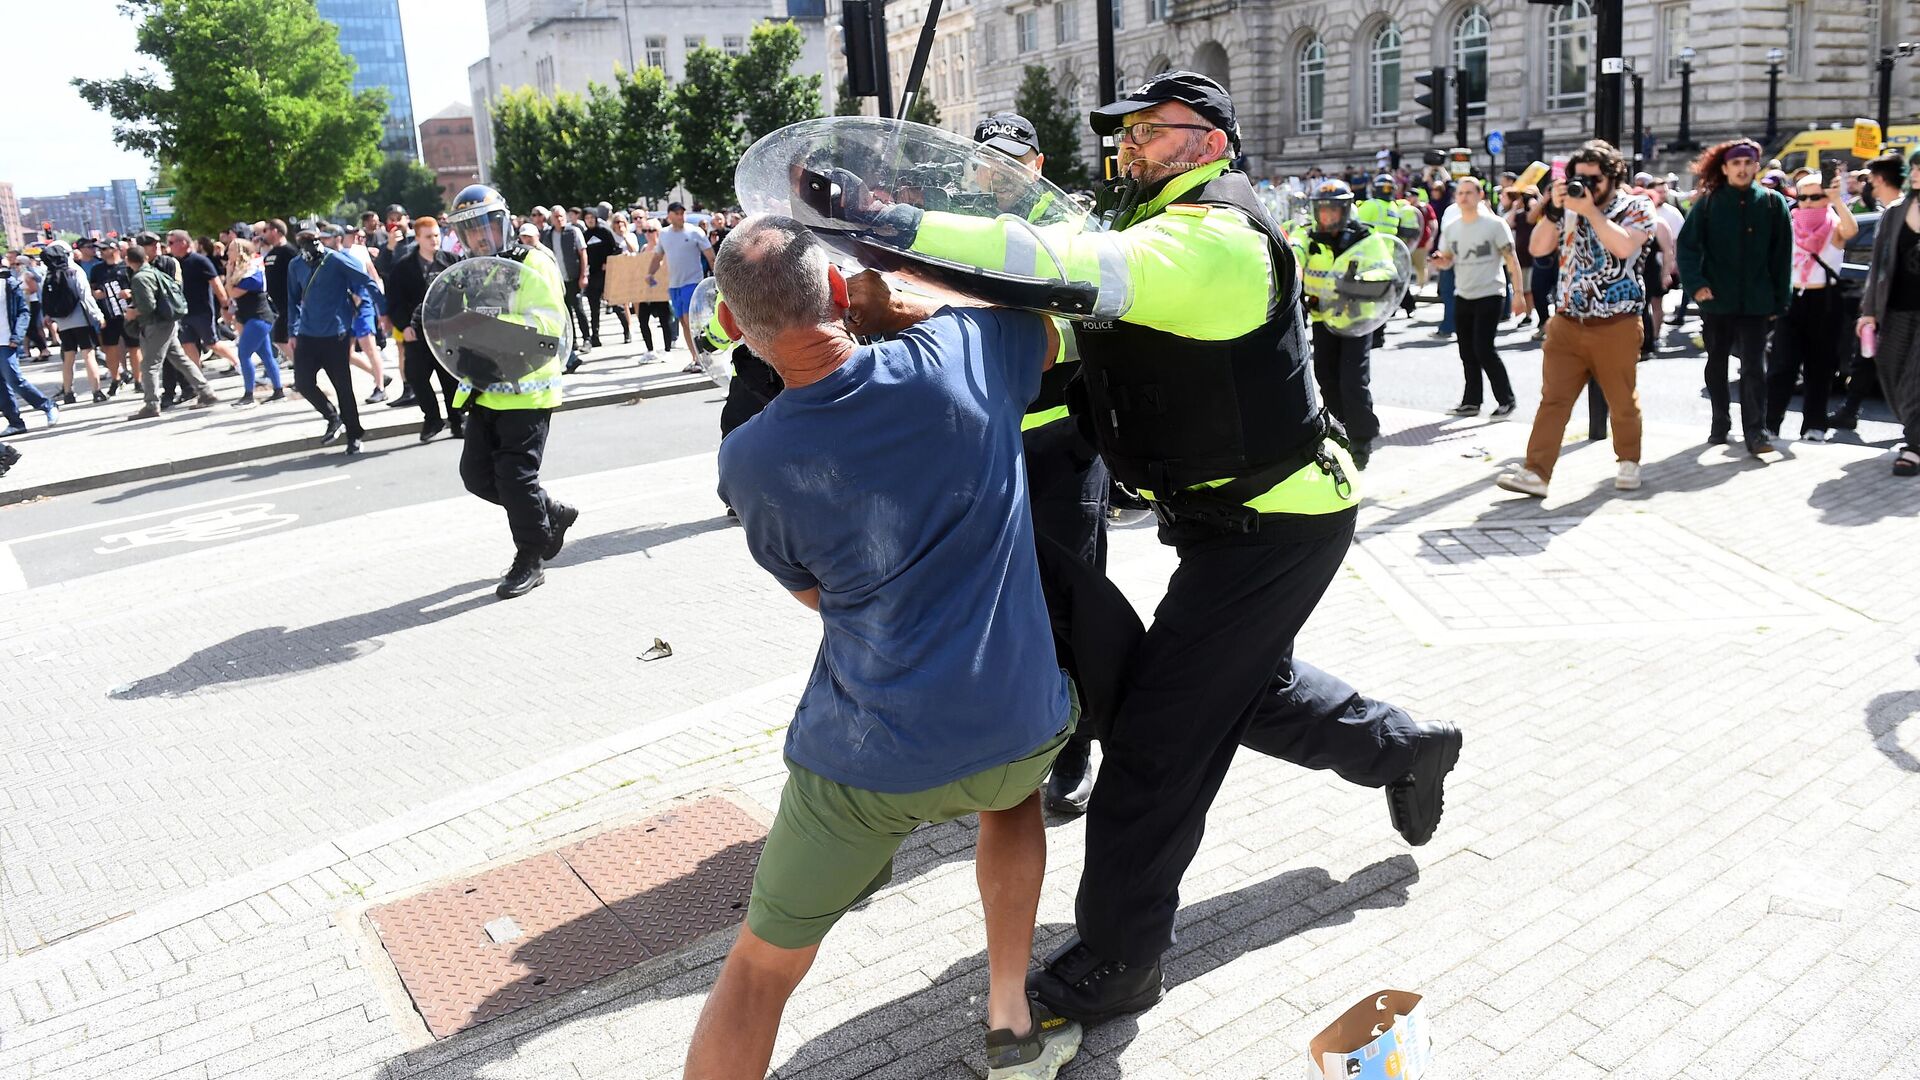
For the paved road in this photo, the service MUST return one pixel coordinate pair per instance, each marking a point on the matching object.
(78, 535)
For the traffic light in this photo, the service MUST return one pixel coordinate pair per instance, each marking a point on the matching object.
(1433, 96)
(856, 26)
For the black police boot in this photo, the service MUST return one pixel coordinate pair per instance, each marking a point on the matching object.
(522, 577)
(559, 518)
(1416, 800)
(1081, 986)
(1070, 784)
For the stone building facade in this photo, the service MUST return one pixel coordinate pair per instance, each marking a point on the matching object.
(1331, 82)
(952, 75)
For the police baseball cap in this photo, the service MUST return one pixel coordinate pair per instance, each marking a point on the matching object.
(1189, 88)
(1009, 133)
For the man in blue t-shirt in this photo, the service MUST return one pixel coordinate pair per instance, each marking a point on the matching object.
(885, 489)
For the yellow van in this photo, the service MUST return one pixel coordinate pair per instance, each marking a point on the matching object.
(1809, 148)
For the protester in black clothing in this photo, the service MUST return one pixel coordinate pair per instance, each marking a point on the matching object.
(601, 244)
(279, 254)
(110, 280)
(411, 274)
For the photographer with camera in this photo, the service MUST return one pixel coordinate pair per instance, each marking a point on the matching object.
(1600, 232)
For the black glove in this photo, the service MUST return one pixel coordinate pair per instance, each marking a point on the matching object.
(850, 201)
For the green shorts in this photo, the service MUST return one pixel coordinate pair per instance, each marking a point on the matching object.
(832, 846)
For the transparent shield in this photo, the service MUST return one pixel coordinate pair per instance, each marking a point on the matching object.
(1368, 282)
(493, 321)
(864, 184)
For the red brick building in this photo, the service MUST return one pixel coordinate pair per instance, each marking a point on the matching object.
(447, 147)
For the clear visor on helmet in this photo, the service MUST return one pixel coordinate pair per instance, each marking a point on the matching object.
(484, 233)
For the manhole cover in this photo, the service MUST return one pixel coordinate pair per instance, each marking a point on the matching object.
(1608, 576)
(479, 948)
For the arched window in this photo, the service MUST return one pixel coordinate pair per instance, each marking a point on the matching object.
(1312, 95)
(1471, 32)
(1569, 54)
(1383, 76)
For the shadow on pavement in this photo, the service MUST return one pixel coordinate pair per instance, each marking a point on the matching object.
(1864, 493)
(1885, 714)
(272, 652)
(320, 458)
(638, 540)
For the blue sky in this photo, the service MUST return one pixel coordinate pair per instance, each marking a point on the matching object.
(51, 142)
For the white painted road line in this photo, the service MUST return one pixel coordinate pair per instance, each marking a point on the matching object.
(92, 525)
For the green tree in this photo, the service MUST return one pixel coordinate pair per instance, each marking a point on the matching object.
(398, 180)
(707, 113)
(845, 104)
(645, 142)
(521, 123)
(601, 175)
(1058, 129)
(771, 96)
(924, 111)
(569, 176)
(254, 105)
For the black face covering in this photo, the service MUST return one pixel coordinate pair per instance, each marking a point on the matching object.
(313, 253)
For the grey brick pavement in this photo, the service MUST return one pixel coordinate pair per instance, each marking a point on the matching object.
(1688, 852)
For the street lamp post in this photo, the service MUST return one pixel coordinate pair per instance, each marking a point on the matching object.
(1685, 141)
(1885, 66)
(1774, 56)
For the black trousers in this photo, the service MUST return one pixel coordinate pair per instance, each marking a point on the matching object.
(420, 371)
(668, 328)
(1216, 672)
(1067, 489)
(313, 355)
(1806, 339)
(1744, 336)
(1475, 322)
(1543, 278)
(1341, 367)
(577, 314)
(596, 289)
(500, 462)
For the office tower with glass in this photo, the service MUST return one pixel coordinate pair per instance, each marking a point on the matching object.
(370, 34)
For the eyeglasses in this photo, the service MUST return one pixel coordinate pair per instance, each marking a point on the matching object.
(1812, 198)
(1589, 177)
(1143, 132)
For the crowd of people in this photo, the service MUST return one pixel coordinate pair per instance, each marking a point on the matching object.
(153, 310)
(1755, 250)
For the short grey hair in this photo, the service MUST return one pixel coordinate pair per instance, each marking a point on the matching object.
(772, 273)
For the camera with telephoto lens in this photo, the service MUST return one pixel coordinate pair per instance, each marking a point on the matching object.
(1576, 188)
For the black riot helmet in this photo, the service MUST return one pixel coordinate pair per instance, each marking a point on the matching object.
(480, 219)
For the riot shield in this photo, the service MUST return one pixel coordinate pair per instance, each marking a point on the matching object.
(711, 349)
(1368, 282)
(865, 186)
(493, 321)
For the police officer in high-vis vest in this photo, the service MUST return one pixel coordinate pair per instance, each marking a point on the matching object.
(1382, 212)
(1067, 483)
(506, 427)
(1341, 362)
(1195, 387)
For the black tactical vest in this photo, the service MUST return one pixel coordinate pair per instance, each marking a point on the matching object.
(1168, 412)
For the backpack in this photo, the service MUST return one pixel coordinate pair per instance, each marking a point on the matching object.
(58, 298)
(169, 299)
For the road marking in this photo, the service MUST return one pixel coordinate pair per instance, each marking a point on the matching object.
(225, 523)
(92, 525)
(12, 579)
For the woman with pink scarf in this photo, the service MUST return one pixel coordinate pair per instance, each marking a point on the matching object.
(1809, 335)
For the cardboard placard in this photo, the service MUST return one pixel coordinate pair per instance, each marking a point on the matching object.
(627, 281)
(1384, 1037)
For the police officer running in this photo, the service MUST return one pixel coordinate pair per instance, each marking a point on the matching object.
(1194, 383)
(1067, 483)
(506, 426)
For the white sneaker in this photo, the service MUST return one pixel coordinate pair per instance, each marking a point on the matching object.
(1816, 435)
(1525, 481)
(1628, 478)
